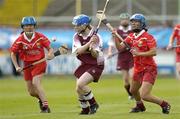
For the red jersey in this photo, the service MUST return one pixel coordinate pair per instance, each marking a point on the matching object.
(176, 35)
(31, 50)
(143, 42)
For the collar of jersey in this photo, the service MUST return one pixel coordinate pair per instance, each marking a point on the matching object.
(26, 38)
(140, 33)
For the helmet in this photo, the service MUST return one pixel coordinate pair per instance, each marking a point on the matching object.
(124, 16)
(81, 20)
(140, 18)
(28, 21)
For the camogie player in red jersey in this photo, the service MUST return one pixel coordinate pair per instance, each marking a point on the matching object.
(125, 58)
(87, 48)
(176, 35)
(30, 48)
(143, 48)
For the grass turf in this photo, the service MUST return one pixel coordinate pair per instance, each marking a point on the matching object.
(15, 103)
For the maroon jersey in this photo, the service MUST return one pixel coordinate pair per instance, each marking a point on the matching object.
(87, 58)
(125, 58)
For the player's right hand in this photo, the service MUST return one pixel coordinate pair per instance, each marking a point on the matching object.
(19, 69)
(169, 47)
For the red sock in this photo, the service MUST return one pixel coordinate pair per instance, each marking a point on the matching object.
(163, 104)
(140, 104)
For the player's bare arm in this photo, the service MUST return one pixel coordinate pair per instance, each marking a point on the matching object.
(116, 36)
(83, 49)
(50, 54)
(170, 45)
(14, 60)
(151, 52)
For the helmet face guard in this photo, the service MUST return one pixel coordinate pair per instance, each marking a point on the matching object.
(124, 16)
(140, 18)
(81, 20)
(28, 21)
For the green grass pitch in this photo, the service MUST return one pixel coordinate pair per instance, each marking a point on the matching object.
(15, 103)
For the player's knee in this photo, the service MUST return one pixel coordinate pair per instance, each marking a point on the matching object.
(144, 96)
(31, 93)
(79, 88)
(133, 91)
(35, 84)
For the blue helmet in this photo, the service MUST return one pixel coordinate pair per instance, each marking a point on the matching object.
(81, 20)
(28, 21)
(140, 18)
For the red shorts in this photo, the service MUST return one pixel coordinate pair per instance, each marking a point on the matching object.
(177, 56)
(124, 61)
(147, 75)
(94, 70)
(34, 70)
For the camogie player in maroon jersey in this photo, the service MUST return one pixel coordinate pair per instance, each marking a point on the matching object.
(30, 48)
(125, 58)
(87, 48)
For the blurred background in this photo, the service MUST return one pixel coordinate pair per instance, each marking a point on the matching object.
(54, 19)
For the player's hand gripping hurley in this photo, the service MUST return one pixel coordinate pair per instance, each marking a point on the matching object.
(100, 20)
(100, 15)
(62, 50)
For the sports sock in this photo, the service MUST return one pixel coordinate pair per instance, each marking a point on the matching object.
(45, 104)
(83, 103)
(163, 104)
(90, 98)
(140, 104)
